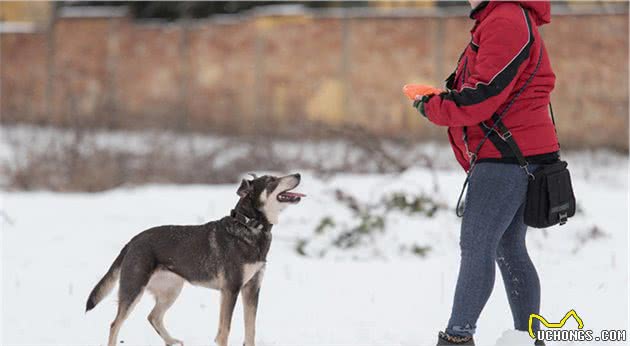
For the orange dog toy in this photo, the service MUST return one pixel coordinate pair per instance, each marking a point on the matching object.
(416, 91)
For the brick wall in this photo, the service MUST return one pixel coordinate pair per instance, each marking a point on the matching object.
(276, 71)
(23, 74)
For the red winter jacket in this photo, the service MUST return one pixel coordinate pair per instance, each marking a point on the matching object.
(501, 55)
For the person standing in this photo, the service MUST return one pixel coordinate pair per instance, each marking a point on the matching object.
(505, 66)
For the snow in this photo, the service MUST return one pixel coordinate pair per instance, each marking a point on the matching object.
(56, 246)
(514, 338)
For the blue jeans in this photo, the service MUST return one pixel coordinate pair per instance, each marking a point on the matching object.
(492, 231)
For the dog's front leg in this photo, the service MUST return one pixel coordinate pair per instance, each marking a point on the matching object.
(228, 300)
(249, 295)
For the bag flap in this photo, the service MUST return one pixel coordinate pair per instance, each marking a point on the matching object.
(551, 168)
(560, 193)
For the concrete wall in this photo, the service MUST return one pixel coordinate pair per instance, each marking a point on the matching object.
(276, 71)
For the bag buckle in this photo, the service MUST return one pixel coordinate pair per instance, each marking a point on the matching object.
(563, 218)
(505, 136)
(529, 174)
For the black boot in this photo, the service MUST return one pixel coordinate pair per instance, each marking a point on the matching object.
(445, 339)
(539, 343)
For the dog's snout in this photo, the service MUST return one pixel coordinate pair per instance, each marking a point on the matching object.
(297, 176)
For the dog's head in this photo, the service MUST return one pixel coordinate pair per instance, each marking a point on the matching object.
(269, 195)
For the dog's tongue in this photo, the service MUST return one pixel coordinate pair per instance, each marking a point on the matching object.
(293, 194)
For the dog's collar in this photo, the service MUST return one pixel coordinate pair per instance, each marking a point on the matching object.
(247, 221)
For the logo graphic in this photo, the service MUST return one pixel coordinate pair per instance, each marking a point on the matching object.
(560, 324)
(555, 333)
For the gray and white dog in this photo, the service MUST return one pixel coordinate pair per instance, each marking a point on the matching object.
(228, 255)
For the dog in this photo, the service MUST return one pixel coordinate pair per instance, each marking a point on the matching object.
(227, 255)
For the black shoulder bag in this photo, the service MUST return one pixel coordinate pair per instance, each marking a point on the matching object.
(550, 198)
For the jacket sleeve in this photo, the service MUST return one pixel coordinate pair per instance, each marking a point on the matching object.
(504, 49)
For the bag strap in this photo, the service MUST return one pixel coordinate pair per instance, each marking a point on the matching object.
(502, 130)
(553, 120)
(499, 127)
(506, 136)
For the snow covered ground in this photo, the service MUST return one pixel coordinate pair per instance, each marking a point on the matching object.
(56, 246)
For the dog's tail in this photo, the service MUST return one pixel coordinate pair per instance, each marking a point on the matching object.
(105, 286)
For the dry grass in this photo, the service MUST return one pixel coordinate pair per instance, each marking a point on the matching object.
(76, 160)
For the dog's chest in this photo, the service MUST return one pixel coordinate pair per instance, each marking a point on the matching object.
(250, 269)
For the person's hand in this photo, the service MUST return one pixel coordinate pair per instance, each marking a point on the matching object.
(419, 94)
(416, 92)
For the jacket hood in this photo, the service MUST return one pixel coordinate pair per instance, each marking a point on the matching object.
(539, 10)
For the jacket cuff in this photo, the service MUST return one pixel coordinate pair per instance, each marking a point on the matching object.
(419, 104)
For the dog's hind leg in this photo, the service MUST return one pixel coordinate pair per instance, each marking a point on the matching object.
(228, 300)
(134, 276)
(249, 296)
(124, 308)
(165, 286)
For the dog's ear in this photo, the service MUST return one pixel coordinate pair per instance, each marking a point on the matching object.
(244, 189)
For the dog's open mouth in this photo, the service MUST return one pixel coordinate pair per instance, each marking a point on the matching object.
(290, 197)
